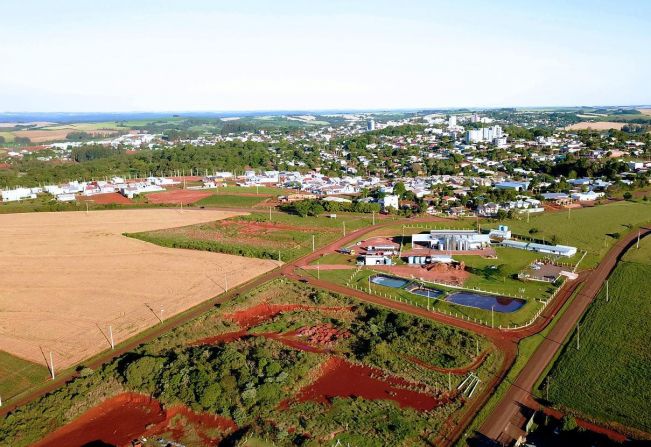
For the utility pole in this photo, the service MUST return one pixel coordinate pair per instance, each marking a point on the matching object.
(477, 345)
(312, 243)
(374, 219)
(226, 282)
(161, 314)
(111, 336)
(493, 316)
(51, 366)
(269, 214)
(607, 297)
(449, 381)
(578, 337)
(369, 284)
(637, 246)
(318, 270)
(344, 228)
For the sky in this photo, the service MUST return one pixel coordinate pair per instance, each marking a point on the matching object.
(214, 55)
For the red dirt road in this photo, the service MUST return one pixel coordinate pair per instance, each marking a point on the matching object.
(520, 391)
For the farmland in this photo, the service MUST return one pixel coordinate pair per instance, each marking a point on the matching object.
(594, 229)
(255, 366)
(255, 235)
(69, 276)
(606, 377)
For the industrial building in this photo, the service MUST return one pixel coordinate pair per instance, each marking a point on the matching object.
(457, 240)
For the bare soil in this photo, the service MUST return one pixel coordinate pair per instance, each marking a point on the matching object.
(66, 277)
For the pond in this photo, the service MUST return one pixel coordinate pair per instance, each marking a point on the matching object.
(426, 292)
(483, 301)
(389, 281)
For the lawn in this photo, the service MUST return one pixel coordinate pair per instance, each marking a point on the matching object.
(360, 281)
(593, 229)
(18, 375)
(230, 200)
(608, 377)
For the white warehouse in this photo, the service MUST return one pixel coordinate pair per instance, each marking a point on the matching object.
(461, 240)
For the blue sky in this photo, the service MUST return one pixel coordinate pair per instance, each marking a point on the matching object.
(272, 55)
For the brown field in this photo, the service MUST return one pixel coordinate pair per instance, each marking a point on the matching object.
(603, 125)
(178, 196)
(645, 111)
(42, 136)
(65, 277)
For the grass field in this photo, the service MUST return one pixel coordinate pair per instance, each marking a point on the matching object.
(360, 280)
(230, 200)
(286, 236)
(18, 375)
(592, 229)
(608, 377)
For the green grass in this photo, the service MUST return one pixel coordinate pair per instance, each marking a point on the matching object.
(526, 348)
(18, 375)
(8, 136)
(230, 200)
(608, 377)
(641, 255)
(588, 229)
(360, 280)
(290, 240)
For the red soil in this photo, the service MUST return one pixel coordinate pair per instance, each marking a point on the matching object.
(122, 418)
(323, 334)
(340, 378)
(288, 339)
(247, 318)
(108, 198)
(255, 227)
(178, 196)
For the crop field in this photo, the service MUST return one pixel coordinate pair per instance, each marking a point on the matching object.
(599, 125)
(594, 229)
(286, 236)
(68, 277)
(257, 365)
(607, 377)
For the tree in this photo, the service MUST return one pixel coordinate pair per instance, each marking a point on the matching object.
(628, 195)
(501, 214)
(399, 189)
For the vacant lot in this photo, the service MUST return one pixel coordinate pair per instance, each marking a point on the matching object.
(177, 196)
(254, 235)
(65, 277)
(593, 229)
(608, 377)
(601, 125)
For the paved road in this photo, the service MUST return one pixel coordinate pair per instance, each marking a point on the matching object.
(520, 391)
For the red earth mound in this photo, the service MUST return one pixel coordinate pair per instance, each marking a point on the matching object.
(178, 196)
(340, 378)
(122, 418)
(324, 334)
(255, 315)
(456, 371)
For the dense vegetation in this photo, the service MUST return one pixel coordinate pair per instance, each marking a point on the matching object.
(247, 379)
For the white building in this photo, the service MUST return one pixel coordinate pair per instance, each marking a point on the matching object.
(488, 134)
(462, 240)
(370, 125)
(14, 195)
(390, 201)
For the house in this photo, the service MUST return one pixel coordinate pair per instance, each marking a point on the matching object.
(14, 195)
(374, 260)
(390, 201)
(488, 209)
(589, 196)
(501, 233)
